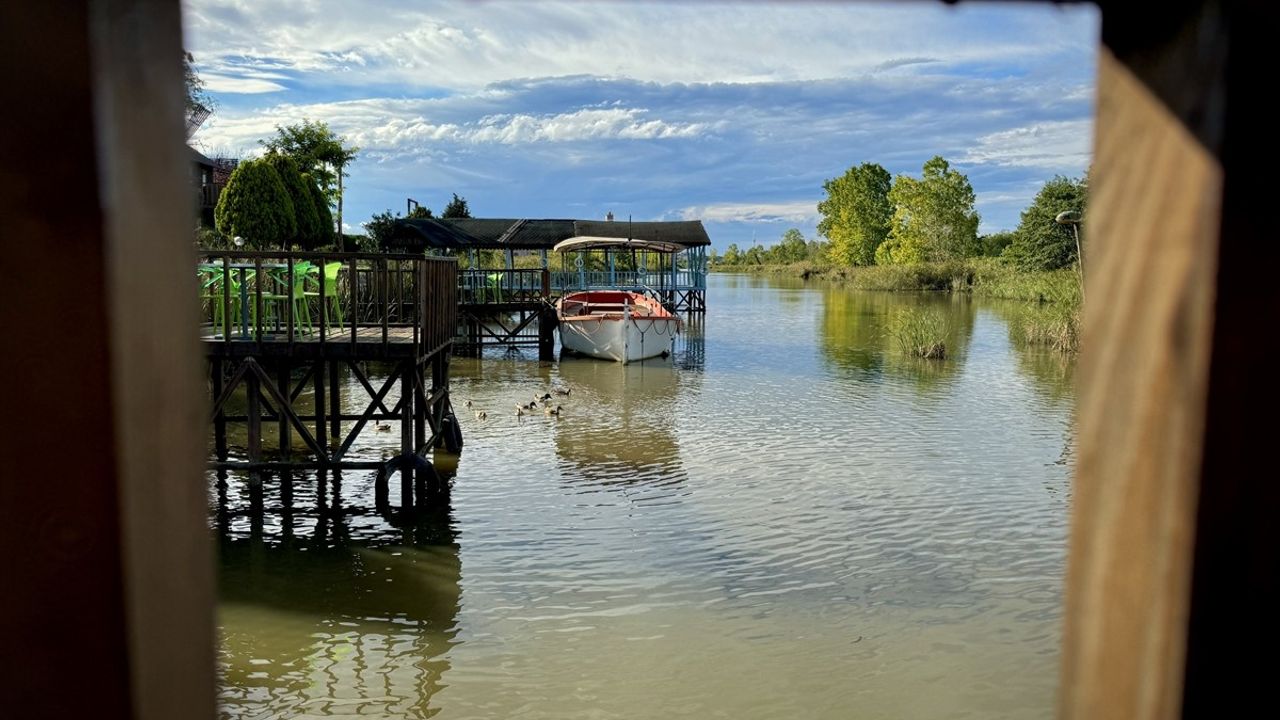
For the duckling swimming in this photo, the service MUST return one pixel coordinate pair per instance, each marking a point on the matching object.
(382, 427)
(552, 411)
(562, 391)
(481, 415)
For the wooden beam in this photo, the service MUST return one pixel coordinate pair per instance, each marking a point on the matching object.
(1173, 561)
(116, 569)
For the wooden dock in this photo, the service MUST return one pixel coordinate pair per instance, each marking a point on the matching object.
(277, 324)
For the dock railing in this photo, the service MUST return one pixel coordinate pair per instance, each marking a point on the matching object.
(274, 297)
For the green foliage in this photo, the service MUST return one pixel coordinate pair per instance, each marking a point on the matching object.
(324, 218)
(378, 231)
(933, 218)
(994, 244)
(420, 212)
(791, 248)
(304, 209)
(317, 150)
(256, 206)
(732, 256)
(457, 208)
(856, 214)
(197, 98)
(1040, 243)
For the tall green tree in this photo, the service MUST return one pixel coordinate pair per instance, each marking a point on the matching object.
(319, 152)
(933, 217)
(256, 207)
(732, 255)
(1040, 243)
(856, 213)
(420, 212)
(304, 210)
(457, 208)
(324, 218)
(791, 248)
(378, 230)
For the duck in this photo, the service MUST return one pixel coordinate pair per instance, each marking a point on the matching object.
(552, 410)
(382, 427)
(469, 403)
(520, 410)
(563, 391)
(481, 415)
(531, 406)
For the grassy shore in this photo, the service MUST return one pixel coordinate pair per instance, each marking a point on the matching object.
(1051, 318)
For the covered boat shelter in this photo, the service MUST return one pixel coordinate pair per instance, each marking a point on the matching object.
(671, 261)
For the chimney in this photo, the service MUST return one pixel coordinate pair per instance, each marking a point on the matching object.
(609, 217)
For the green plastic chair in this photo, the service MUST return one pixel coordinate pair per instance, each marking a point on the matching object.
(301, 310)
(211, 290)
(330, 301)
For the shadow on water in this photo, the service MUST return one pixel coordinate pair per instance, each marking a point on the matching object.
(858, 334)
(331, 609)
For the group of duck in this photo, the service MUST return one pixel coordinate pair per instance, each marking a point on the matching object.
(541, 403)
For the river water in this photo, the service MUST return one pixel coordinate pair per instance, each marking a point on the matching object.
(787, 519)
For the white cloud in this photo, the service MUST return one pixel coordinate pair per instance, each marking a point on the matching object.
(394, 125)
(464, 46)
(799, 211)
(1059, 145)
(219, 83)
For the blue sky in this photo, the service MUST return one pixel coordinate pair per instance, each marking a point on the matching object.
(732, 113)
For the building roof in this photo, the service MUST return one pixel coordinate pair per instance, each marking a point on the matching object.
(199, 158)
(490, 234)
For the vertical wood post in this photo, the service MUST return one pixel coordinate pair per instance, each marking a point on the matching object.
(335, 403)
(406, 435)
(283, 382)
(220, 418)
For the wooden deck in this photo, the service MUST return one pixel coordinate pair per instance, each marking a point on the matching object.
(371, 343)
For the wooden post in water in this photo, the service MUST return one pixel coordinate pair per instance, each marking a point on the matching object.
(547, 320)
(335, 403)
(322, 435)
(284, 383)
(220, 417)
(406, 436)
(254, 410)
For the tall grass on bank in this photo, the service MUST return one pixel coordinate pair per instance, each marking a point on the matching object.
(1055, 326)
(920, 333)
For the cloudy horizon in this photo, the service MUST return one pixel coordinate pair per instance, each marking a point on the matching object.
(734, 114)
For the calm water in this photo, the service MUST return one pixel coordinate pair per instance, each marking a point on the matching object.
(788, 520)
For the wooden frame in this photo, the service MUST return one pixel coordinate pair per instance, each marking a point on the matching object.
(1173, 556)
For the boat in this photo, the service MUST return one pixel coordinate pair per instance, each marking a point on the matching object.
(616, 324)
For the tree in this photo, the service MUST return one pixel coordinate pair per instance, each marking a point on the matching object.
(304, 211)
(199, 103)
(324, 218)
(933, 217)
(378, 230)
(256, 206)
(994, 244)
(732, 256)
(457, 208)
(856, 214)
(791, 248)
(1040, 243)
(319, 152)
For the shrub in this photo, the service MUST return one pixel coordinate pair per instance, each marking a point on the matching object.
(304, 208)
(255, 206)
(920, 333)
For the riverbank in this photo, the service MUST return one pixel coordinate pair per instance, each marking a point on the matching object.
(1051, 319)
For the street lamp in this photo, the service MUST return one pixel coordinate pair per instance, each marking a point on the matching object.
(1072, 218)
(409, 205)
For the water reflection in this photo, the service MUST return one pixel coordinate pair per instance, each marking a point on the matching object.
(328, 608)
(622, 427)
(858, 334)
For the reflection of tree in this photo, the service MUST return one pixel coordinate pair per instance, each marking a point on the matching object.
(327, 622)
(1052, 373)
(857, 333)
(619, 426)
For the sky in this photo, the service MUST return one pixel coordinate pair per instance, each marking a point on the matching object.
(730, 113)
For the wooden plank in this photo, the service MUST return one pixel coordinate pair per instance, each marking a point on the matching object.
(157, 394)
(1153, 230)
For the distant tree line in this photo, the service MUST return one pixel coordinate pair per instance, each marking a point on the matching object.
(871, 218)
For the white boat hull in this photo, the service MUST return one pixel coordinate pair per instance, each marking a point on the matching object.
(623, 339)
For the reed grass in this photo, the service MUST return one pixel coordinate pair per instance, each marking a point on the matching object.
(920, 333)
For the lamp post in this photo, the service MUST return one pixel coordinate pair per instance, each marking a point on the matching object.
(409, 205)
(1072, 218)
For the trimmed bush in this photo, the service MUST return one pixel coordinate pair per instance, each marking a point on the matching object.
(255, 206)
(324, 217)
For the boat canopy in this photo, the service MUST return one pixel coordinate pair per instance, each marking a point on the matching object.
(594, 242)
